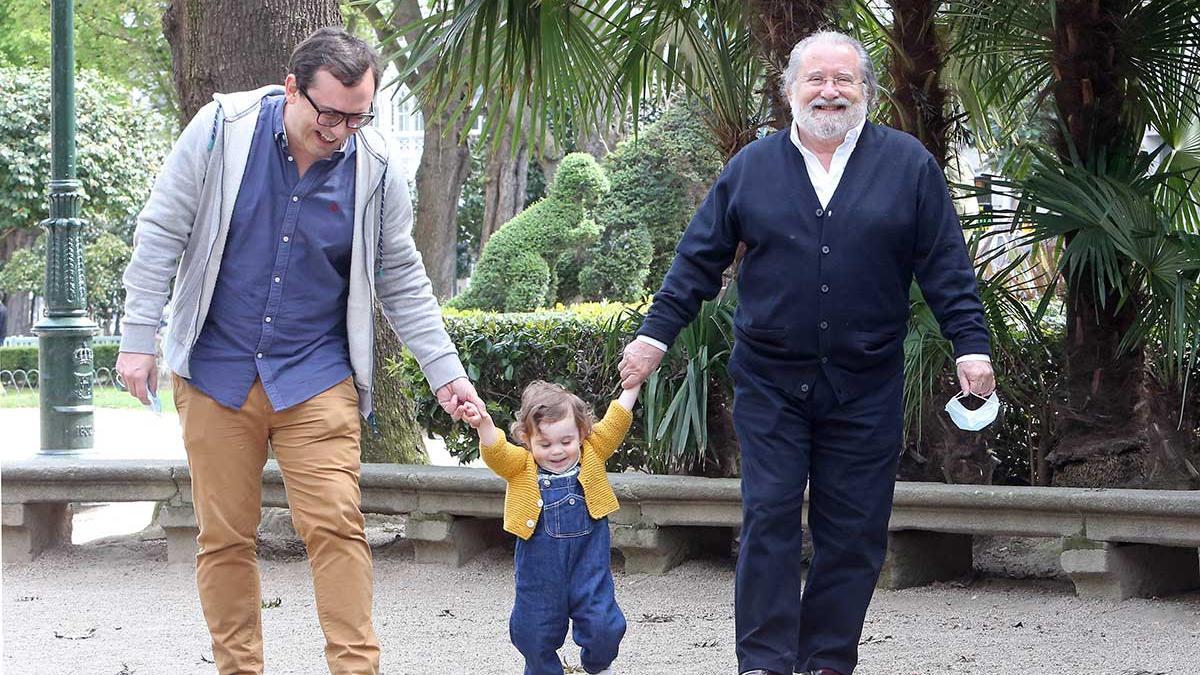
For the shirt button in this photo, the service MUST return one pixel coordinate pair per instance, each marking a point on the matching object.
(258, 355)
(285, 239)
(820, 212)
(541, 503)
(268, 319)
(295, 198)
(545, 482)
(291, 159)
(804, 387)
(824, 288)
(825, 249)
(528, 523)
(824, 359)
(571, 502)
(276, 279)
(824, 325)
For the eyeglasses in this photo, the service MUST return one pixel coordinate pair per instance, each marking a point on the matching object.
(839, 81)
(332, 118)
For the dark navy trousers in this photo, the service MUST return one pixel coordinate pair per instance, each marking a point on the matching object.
(564, 572)
(846, 452)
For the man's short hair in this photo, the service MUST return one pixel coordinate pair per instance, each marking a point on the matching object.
(345, 56)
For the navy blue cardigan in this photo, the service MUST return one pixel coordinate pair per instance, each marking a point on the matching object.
(826, 288)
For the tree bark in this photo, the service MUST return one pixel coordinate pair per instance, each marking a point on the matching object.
(1119, 428)
(231, 45)
(777, 25)
(19, 305)
(445, 160)
(504, 185)
(919, 100)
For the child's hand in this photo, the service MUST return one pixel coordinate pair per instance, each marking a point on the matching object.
(629, 396)
(473, 415)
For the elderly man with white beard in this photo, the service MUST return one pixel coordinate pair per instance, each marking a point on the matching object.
(837, 216)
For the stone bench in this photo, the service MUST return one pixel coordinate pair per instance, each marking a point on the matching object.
(1119, 543)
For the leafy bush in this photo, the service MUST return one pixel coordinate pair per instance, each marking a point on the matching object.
(515, 271)
(26, 357)
(658, 180)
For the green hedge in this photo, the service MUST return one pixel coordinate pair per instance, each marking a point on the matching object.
(504, 352)
(26, 358)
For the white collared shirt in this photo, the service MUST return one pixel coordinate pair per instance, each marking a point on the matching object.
(824, 182)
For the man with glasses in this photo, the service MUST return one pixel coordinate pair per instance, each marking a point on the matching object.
(837, 216)
(283, 218)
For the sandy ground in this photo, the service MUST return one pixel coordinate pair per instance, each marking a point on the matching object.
(114, 607)
(110, 605)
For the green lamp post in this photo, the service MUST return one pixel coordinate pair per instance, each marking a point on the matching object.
(64, 331)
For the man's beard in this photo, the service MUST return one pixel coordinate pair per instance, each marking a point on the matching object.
(827, 127)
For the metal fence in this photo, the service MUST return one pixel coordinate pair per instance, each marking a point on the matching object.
(27, 380)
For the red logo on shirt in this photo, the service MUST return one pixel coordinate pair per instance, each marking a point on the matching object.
(333, 207)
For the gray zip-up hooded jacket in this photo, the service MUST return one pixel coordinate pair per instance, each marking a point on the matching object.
(182, 229)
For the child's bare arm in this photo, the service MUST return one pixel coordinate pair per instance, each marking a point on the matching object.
(629, 397)
(481, 422)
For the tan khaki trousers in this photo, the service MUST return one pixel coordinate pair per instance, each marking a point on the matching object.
(317, 446)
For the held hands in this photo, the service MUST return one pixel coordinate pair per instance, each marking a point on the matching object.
(976, 377)
(638, 360)
(452, 395)
(474, 415)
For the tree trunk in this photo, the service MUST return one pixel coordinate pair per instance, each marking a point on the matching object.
(445, 159)
(396, 436)
(777, 25)
(504, 186)
(445, 165)
(916, 67)
(1119, 425)
(231, 45)
(938, 450)
(19, 305)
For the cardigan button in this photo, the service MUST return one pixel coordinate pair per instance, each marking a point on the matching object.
(824, 288)
(820, 212)
(825, 249)
(529, 523)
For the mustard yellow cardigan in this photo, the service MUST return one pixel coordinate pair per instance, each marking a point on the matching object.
(515, 464)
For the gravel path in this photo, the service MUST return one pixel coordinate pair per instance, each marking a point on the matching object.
(114, 607)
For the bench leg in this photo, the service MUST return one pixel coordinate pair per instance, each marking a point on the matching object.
(451, 540)
(916, 558)
(178, 522)
(1120, 571)
(649, 549)
(29, 529)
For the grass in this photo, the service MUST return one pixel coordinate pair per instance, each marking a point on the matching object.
(102, 397)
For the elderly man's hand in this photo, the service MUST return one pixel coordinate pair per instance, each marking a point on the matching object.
(637, 362)
(455, 393)
(976, 377)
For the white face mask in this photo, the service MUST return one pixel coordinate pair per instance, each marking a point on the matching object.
(973, 420)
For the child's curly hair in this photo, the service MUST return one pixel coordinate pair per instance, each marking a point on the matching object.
(549, 402)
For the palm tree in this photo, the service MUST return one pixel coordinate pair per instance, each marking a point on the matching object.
(1102, 70)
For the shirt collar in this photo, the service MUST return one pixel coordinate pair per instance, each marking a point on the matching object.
(848, 144)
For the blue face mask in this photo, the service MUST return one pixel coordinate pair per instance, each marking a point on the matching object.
(973, 420)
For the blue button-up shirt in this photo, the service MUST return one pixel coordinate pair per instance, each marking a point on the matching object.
(278, 311)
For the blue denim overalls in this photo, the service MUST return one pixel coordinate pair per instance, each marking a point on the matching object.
(564, 572)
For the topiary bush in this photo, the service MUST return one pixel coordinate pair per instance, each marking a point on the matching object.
(658, 179)
(515, 272)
